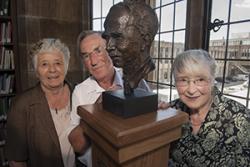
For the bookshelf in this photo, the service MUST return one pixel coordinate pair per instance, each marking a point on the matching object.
(8, 62)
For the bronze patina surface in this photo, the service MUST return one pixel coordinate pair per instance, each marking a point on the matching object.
(130, 28)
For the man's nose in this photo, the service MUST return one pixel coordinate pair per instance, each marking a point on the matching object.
(93, 57)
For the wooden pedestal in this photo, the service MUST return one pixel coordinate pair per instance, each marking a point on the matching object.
(141, 141)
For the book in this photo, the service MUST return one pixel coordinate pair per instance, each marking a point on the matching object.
(12, 84)
(3, 31)
(8, 32)
(1, 8)
(3, 109)
(12, 60)
(6, 59)
(6, 7)
(2, 57)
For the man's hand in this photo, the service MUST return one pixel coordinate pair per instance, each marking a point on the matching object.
(17, 164)
(78, 140)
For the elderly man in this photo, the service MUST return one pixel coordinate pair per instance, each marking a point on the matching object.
(130, 27)
(104, 76)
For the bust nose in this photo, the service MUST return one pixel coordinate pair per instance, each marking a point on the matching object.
(111, 44)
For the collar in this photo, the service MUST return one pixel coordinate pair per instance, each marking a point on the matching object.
(118, 81)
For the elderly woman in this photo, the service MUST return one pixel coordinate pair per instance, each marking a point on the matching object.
(38, 121)
(218, 133)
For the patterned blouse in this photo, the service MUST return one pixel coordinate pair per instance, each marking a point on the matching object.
(223, 140)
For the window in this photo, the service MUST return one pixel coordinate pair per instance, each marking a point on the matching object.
(100, 11)
(168, 42)
(230, 47)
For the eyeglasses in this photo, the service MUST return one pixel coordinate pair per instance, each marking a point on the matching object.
(97, 51)
(183, 82)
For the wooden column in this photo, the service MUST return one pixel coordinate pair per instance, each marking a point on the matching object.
(198, 17)
(138, 141)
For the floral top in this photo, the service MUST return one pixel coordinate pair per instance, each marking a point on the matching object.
(223, 139)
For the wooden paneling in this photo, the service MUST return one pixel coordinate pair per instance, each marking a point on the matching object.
(57, 9)
(196, 24)
(39, 19)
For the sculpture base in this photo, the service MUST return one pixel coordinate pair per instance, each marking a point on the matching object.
(140, 102)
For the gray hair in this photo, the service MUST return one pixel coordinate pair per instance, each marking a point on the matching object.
(82, 36)
(192, 61)
(49, 45)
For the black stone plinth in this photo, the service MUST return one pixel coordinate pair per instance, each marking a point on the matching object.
(140, 102)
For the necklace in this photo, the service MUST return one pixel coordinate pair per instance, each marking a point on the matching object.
(59, 100)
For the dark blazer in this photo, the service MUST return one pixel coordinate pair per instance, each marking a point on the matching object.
(31, 134)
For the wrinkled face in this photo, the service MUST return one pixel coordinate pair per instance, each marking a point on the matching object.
(51, 69)
(95, 57)
(124, 41)
(195, 89)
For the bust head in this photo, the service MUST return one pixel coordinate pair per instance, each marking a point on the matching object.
(130, 28)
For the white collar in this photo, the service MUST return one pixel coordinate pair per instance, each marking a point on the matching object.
(118, 81)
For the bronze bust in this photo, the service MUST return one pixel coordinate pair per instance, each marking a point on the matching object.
(130, 27)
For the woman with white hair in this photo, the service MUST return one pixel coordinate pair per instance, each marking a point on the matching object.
(39, 118)
(218, 131)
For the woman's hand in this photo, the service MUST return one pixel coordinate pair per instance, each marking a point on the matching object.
(17, 164)
(163, 105)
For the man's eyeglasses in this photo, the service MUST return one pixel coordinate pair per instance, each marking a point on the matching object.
(183, 82)
(97, 51)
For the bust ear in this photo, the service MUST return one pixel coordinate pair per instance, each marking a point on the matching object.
(146, 42)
